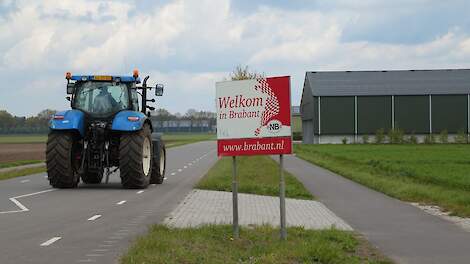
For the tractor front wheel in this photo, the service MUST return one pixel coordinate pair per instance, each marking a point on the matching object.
(135, 159)
(159, 165)
(62, 159)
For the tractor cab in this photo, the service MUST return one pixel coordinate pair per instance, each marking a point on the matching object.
(102, 96)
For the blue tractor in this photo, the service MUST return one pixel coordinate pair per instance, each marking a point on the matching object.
(107, 129)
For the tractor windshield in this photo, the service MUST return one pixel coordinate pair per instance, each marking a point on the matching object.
(101, 98)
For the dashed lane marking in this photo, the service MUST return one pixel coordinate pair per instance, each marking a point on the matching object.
(86, 260)
(121, 202)
(25, 181)
(50, 241)
(94, 255)
(93, 218)
(180, 170)
(172, 174)
(139, 192)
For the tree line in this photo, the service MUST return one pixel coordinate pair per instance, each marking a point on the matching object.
(39, 124)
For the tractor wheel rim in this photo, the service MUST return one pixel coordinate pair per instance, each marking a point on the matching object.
(146, 156)
(162, 163)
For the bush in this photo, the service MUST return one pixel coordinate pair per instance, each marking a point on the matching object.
(413, 139)
(461, 137)
(344, 140)
(396, 136)
(379, 136)
(444, 136)
(297, 135)
(365, 139)
(429, 139)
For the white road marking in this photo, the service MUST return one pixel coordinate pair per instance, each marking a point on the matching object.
(172, 174)
(164, 178)
(185, 167)
(100, 250)
(94, 255)
(46, 176)
(103, 245)
(93, 218)
(139, 192)
(180, 170)
(121, 202)
(50, 241)
(189, 164)
(20, 205)
(86, 260)
(24, 181)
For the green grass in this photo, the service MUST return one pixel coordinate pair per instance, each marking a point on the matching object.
(430, 174)
(179, 139)
(175, 139)
(213, 244)
(19, 139)
(256, 174)
(18, 163)
(21, 172)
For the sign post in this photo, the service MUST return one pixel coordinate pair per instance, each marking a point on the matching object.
(282, 198)
(254, 118)
(236, 231)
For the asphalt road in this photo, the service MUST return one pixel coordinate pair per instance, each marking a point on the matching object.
(93, 223)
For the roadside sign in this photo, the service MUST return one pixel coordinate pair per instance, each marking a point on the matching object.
(254, 117)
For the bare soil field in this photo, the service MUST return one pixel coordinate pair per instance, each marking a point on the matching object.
(16, 152)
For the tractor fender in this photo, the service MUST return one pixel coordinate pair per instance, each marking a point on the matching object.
(72, 120)
(129, 121)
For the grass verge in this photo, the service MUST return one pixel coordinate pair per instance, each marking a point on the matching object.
(18, 163)
(430, 174)
(177, 139)
(19, 139)
(21, 172)
(256, 174)
(213, 244)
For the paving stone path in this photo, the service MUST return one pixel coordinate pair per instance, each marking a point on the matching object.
(214, 207)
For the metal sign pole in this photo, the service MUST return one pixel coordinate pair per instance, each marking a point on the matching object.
(236, 231)
(282, 198)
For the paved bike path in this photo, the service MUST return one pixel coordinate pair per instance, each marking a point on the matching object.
(401, 231)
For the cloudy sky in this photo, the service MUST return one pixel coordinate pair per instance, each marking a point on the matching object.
(190, 44)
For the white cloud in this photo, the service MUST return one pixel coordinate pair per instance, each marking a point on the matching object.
(189, 45)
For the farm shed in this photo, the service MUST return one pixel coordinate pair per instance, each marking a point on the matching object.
(348, 104)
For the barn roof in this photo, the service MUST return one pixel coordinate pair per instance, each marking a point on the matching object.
(412, 82)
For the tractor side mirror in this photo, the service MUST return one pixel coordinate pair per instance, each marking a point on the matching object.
(159, 90)
(70, 88)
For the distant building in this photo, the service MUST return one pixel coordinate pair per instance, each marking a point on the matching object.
(337, 105)
(184, 125)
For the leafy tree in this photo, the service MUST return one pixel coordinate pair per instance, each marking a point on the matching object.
(244, 73)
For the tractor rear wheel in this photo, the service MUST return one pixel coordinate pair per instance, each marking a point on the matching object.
(135, 159)
(62, 159)
(159, 165)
